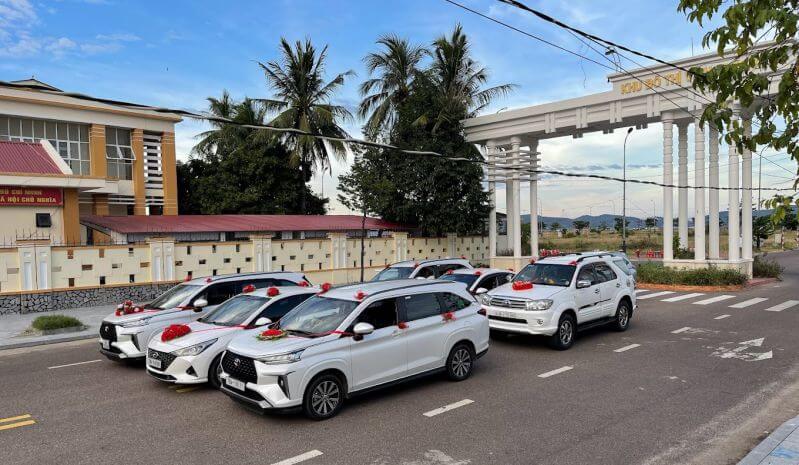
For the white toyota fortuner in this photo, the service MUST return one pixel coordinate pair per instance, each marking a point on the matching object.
(557, 296)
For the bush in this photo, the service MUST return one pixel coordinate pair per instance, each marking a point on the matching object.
(763, 267)
(656, 273)
(47, 322)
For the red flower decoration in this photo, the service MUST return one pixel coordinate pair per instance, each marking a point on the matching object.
(174, 332)
(478, 273)
(303, 284)
(463, 257)
(522, 285)
(126, 308)
(248, 288)
(325, 287)
(270, 334)
(360, 295)
(532, 261)
(402, 325)
(450, 271)
(187, 278)
(573, 263)
(272, 291)
(511, 269)
(448, 316)
(415, 264)
(208, 279)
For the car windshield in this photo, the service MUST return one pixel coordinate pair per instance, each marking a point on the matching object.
(467, 279)
(549, 274)
(317, 316)
(235, 311)
(395, 272)
(174, 297)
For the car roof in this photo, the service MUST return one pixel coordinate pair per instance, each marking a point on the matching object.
(482, 271)
(579, 257)
(244, 276)
(284, 291)
(371, 288)
(431, 261)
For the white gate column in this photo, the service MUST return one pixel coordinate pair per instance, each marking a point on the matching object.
(668, 179)
(682, 180)
(492, 194)
(699, 191)
(732, 199)
(713, 193)
(517, 210)
(746, 194)
(507, 161)
(534, 200)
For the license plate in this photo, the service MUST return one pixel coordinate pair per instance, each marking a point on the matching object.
(154, 363)
(105, 344)
(502, 314)
(234, 383)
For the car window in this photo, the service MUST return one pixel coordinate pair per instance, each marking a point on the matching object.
(234, 311)
(467, 279)
(380, 314)
(215, 294)
(550, 274)
(587, 274)
(395, 272)
(447, 267)
(604, 273)
(418, 306)
(451, 302)
(426, 272)
(622, 264)
(174, 296)
(277, 309)
(317, 315)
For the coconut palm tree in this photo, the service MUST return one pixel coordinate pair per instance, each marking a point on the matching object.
(225, 138)
(396, 66)
(302, 101)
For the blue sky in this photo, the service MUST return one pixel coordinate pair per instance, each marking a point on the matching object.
(177, 53)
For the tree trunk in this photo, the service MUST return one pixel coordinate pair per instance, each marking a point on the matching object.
(302, 192)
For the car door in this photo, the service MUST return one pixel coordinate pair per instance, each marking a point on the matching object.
(426, 272)
(425, 333)
(609, 287)
(382, 356)
(587, 298)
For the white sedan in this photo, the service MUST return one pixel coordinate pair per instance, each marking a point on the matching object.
(191, 356)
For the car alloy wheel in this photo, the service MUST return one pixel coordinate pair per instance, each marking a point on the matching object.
(624, 316)
(461, 362)
(325, 398)
(566, 332)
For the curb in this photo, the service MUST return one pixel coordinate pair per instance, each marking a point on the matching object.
(763, 450)
(19, 345)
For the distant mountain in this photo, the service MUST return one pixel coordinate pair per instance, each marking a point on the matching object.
(609, 220)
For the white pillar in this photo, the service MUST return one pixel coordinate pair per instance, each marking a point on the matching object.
(713, 194)
(682, 180)
(732, 199)
(509, 225)
(668, 198)
(699, 192)
(517, 210)
(746, 194)
(534, 200)
(492, 193)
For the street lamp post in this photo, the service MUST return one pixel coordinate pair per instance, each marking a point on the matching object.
(624, 195)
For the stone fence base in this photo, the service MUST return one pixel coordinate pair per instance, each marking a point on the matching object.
(44, 301)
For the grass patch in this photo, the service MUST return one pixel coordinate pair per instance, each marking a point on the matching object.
(764, 267)
(47, 322)
(656, 273)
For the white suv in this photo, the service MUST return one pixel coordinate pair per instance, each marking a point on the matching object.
(422, 269)
(125, 333)
(557, 296)
(352, 339)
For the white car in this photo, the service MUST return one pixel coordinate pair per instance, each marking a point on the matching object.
(557, 296)
(353, 339)
(125, 333)
(422, 269)
(194, 358)
(479, 280)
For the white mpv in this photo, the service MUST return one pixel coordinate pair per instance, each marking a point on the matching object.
(557, 296)
(422, 269)
(353, 339)
(194, 358)
(125, 333)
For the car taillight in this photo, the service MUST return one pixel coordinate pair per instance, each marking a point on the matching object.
(482, 311)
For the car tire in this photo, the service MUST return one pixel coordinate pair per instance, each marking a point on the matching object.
(213, 372)
(323, 397)
(564, 335)
(460, 362)
(623, 314)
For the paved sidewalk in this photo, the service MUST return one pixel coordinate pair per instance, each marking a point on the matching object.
(780, 448)
(11, 326)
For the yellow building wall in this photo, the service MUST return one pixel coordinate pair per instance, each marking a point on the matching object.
(168, 168)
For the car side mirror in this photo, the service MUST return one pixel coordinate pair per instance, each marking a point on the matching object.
(362, 329)
(481, 290)
(200, 304)
(583, 283)
(263, 321)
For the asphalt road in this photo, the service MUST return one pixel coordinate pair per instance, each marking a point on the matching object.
(695, 396)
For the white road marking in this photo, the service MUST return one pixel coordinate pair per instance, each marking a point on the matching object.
(555, 372)
(741, 352)
(750, 302)
(447, 408)
(713, 300)
(681, 330)
(638, 291)
(300, 458)
(656, 294)
(682, 297)
(721, 317)
(783, 306)
(626, 348)
(73, 364)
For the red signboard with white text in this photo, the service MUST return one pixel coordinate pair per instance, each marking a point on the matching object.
(30, 196)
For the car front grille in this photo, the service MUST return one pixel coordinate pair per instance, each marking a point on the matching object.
(108, 332)
(240, 367)
(165, 357)
(507, 302)
(506, 319)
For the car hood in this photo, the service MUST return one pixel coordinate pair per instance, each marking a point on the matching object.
(200, 332)
(114, 319)
(539, 291)
(247, 344)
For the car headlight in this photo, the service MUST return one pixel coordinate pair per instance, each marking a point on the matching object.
(542, 304)
(485, 299)
(281, 359)
(196, 349)
(135, 323)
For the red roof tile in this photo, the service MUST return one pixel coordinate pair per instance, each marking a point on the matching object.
(26, 158)
(235, 223)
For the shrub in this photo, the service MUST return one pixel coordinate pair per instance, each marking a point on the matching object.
(47, 322)
(656, 273)
(764, 267)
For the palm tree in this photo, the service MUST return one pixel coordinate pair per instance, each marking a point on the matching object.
(302, 101)
(397, 66)
(459, 79)
(225, 138)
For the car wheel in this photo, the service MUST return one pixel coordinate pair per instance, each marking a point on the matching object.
(214, 372)
(460, 362)
(564, 336)
(323, 398)
(623, 315)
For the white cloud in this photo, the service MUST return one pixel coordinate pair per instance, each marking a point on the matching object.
(119, 37)
(16, 13)
(60, 46)
(95, 49)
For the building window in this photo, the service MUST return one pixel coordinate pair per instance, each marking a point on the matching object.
(119, 153)
(70, 140)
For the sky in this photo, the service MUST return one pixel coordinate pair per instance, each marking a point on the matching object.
(178, 53)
